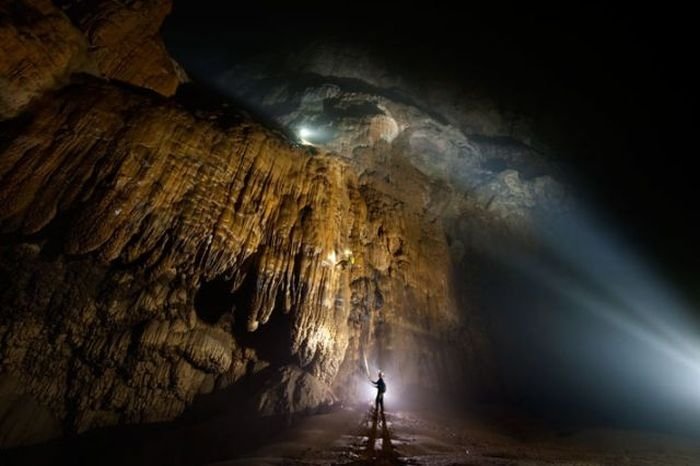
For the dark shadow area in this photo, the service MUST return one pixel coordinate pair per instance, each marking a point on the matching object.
(10, 129)
(203, 100)
(387, 447)
(213, 300)
(372, 437)
(374, 425)
(271, 340)
(217, 427)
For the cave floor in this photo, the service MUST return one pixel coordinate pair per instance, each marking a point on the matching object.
(355, 436)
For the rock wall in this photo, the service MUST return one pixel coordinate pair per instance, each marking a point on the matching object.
(153, 251)
(124, 41)
(39, 49)
(41, 46)
(495, 174)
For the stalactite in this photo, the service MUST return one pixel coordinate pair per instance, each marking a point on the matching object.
(120, 207)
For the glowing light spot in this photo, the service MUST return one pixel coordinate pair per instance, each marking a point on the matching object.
(330, 259)
(304, 132)
(369, 392)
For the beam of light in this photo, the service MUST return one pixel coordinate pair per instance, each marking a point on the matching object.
(655, 347)
(637, 295)
(622, 317)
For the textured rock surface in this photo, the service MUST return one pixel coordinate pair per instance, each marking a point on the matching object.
(343, 99)
(152, 255)
(154, 249)
(40, 47)
(124, 43)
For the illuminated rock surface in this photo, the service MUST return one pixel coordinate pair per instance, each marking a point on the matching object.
(26, 69)
(153, 251)
(124, 41)
(179, 280)
(489, 176)
(183, 240)
(40, 47)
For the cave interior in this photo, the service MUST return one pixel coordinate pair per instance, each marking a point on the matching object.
(219, 223)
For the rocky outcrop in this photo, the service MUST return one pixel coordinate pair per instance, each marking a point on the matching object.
(41, 46)
(346, 100)
(153, 254)
(155, 250)
(124, 42)
(39, 49)
(292, 390)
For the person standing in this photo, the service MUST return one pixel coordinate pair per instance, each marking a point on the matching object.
(381, 388)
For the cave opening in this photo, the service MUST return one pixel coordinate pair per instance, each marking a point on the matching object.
(214, 299)
(271, 340)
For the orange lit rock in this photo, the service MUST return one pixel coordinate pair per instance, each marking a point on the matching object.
(128, 206)
(123, 41)
(152, 251)
(39, 48)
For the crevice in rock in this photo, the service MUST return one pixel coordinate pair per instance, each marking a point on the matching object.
(272, 341)
(214, 299)
(378, 298)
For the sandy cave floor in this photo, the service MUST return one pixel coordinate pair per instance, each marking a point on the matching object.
(354, 436)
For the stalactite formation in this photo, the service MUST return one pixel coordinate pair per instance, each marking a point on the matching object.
(152, 252)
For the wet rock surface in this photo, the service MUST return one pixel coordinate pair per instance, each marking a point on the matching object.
(360, 436)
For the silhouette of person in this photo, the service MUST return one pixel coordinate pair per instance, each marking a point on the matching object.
(381, 388)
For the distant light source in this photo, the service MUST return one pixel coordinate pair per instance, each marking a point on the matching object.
(305, 132)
